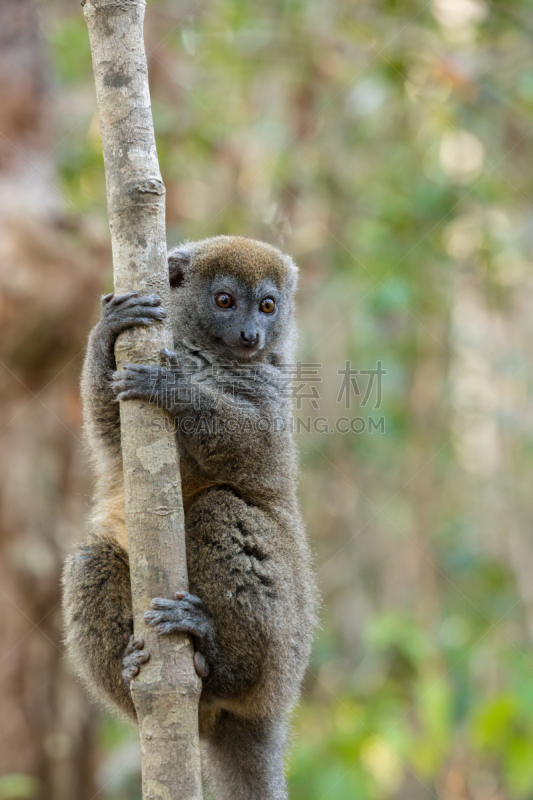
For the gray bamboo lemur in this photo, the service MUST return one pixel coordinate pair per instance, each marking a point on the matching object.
(251, 607)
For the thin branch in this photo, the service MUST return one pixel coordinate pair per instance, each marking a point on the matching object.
(166, 693)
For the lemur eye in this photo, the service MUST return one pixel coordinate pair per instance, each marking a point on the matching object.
(224, 300)
(268, 305)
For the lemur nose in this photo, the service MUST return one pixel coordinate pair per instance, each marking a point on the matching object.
(249, 338)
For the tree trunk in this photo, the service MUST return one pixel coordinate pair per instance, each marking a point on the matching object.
(167, 691)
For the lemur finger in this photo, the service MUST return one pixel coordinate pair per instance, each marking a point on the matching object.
(144, 300)
(120, 385)
(131, 670)
(166, 622)
(129, 382)
(143, 310)
(151, 618)
(131, 378)
(160, 603)
(131, 664)
(134, 321)
(190, 600)
(116, 299)
(169, 627)
(182, 600)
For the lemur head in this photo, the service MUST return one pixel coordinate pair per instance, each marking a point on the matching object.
(233, 299)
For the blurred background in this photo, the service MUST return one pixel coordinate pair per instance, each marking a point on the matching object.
(386, 144)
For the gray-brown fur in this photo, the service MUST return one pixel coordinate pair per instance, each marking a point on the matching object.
(251, 607)
(248, 260)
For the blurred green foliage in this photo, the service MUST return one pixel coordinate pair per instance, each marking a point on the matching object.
(387, 146)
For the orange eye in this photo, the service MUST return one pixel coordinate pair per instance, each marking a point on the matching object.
(223, 300)
(268, 305)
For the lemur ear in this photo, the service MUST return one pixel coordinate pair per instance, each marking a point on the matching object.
(179, 260)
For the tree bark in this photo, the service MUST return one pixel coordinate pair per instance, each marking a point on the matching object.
(167, 691)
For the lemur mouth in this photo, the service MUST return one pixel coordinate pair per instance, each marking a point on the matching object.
(246, 351)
